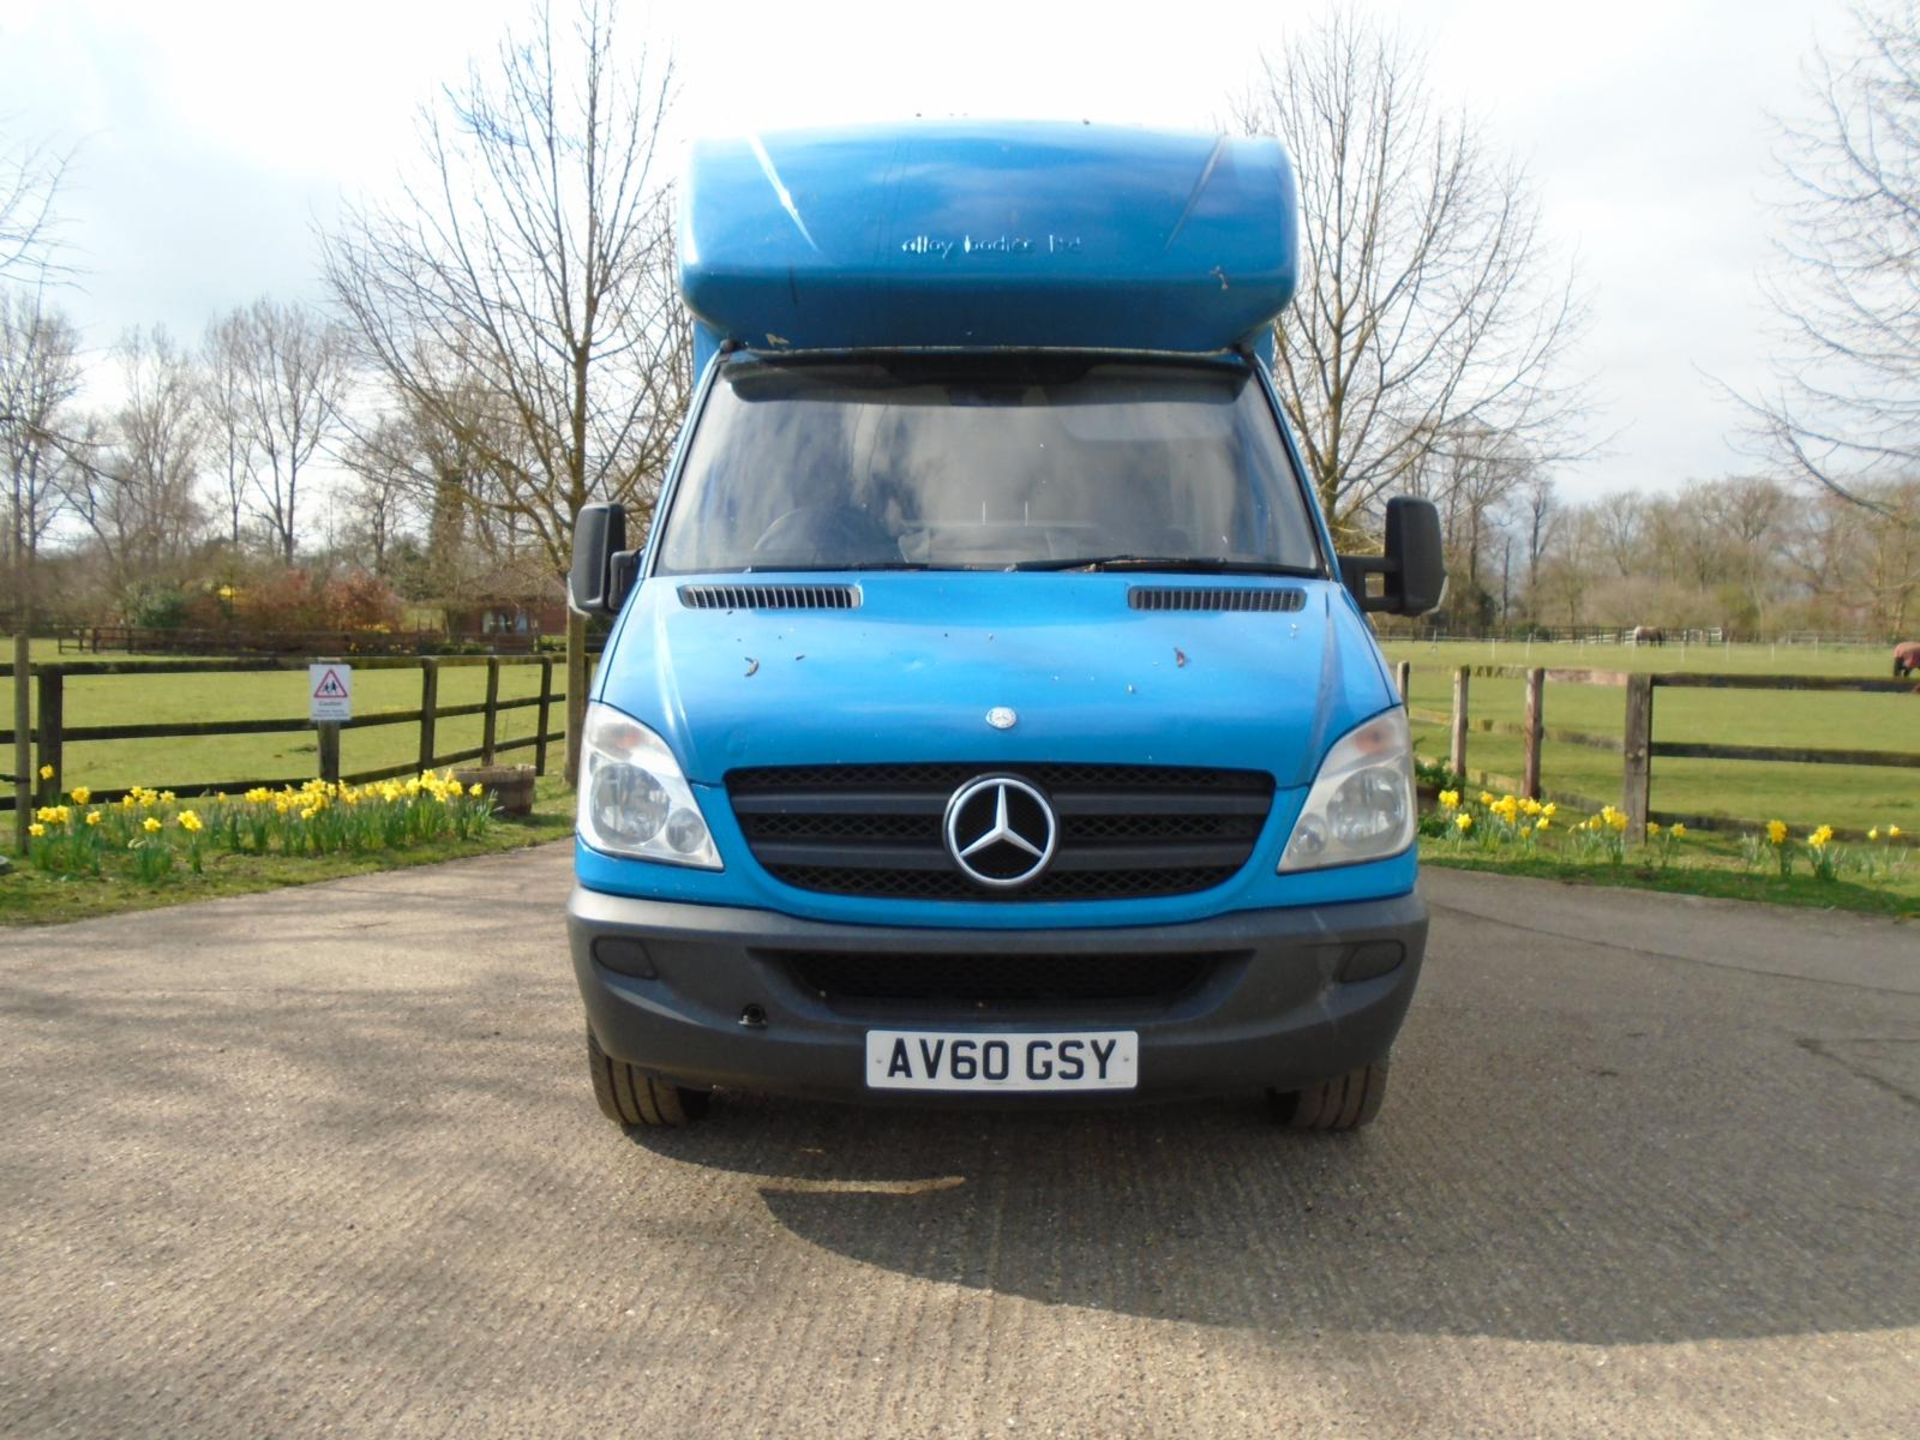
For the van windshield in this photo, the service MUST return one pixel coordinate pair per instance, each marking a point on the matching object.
(1025, 462)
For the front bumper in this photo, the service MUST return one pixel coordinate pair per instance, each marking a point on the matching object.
(707, 996)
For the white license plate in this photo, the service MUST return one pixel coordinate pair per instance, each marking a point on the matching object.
(971, 1060)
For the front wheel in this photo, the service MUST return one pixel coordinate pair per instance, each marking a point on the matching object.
(1344, 1103)
(630, 1097)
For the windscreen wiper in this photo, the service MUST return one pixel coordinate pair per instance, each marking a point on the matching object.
(1174, 564)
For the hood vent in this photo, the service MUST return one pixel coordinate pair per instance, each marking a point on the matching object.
(1214, 597)
(770, 597)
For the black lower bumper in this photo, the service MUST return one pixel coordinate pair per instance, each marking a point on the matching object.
(707, 996)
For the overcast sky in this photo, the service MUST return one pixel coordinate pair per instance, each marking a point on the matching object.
(213, 137)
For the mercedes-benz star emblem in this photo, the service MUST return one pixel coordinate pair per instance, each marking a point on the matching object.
(1000, 831)
(1002, 718)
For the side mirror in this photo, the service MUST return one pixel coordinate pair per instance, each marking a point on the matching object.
(1414, 569)
(603, 568)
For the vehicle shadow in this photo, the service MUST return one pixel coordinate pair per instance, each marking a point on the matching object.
(1589, 1216)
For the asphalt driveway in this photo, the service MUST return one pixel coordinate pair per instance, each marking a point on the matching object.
(326, 1162)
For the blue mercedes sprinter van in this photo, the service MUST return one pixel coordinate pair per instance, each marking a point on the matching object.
(986, 714)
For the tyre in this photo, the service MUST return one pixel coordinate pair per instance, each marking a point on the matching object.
(1344, 1103)
(632, 1097)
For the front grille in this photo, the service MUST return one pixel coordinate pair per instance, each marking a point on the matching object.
(1125, 831)
(1000, 979)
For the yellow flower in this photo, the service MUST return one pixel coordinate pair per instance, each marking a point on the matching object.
(1549, 809)
(189, 822)
(1777, 832)
(1653, 827)
(1874, 833)
(94, 817)
(81, 794)
(476, 790)
(308, 813)
(1893, 832)
(1531, 806)
(46, 772)
(1819, 838)
(1542, 823)
(1486, 797)
(1679, 831)
(150, 824)
(36, 830)
(1450, 799)
(1618, 820)
(1464, 822)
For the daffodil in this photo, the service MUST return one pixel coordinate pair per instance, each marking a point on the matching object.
(1874, 833)
(151, 824)
(1450, 799)
(1679, 831)
(1463, 822)
(1549, 809)
(1893, 832)
(81, 794)
(36, 830)
(94, 817)
(46, 772)
(189, 822)
(1776, 832)
(1542, 823)
(1819, 838)
(476, 790)
(1653, 828)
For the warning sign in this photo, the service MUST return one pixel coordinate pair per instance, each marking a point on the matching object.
(331, 687)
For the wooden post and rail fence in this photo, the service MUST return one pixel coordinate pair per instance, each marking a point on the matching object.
(51, 731)
(1636, 745)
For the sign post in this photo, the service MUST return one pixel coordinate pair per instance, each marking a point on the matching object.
(330, 703)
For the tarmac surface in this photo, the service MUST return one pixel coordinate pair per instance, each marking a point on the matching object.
(326, 1161)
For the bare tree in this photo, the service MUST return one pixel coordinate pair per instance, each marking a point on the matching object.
(1845, 402)
(1430, 308)
(137, 496)
(39, 377)
(30, 179)
(530, 266)
(229, 428)
(291, 366)
(1540, 516)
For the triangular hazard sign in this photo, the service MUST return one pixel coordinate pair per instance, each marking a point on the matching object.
(330, 687)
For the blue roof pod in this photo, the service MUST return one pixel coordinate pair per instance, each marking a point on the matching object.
(969, 233)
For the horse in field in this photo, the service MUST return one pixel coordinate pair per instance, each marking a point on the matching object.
(1906, 658)
(1649, 635)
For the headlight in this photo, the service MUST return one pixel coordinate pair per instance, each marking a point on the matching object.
(633, 799)
(1361, 805)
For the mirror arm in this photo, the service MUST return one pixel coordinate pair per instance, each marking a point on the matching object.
(1354, 570)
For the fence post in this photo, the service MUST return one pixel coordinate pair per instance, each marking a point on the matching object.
(546, 706)
(329, 750)
(1637, 776)
(577, 673)
(22, 738)
(47, 731)
(1457, 754)
(1403, 678)
(1535, 724)
(429, 707)
(489, 722)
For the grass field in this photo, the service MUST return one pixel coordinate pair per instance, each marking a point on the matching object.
(1847, 796)
(198, 763)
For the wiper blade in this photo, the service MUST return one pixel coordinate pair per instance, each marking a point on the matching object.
(834, 569)
(1174, 564)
